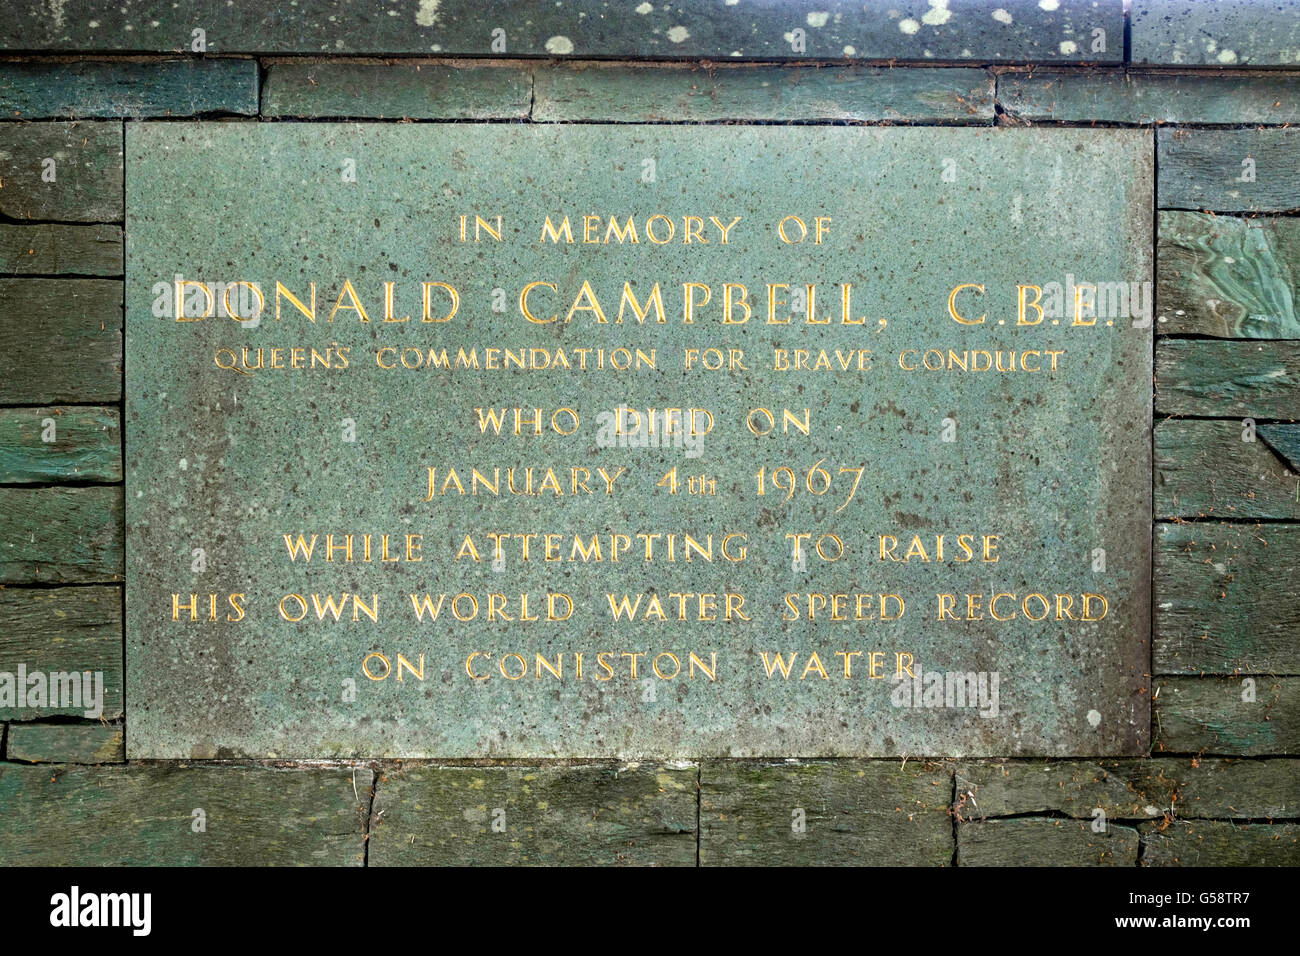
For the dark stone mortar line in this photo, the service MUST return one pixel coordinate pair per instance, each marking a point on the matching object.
(121, 437)
(60, 276)
(66, 720)
(58, 585)
(18, 406)
(953, 817)
(370, 814)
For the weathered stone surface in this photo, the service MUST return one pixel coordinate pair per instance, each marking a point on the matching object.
(1284, 439)
(1213, 843)
(1045, 842)
(84, 444)
(63, 630)
(1130, 789)
(1241, 789)
(65, 743)
(221, 443)
(1072, 31)
(1247, 378)
(1122, 789)
(60, 535)
(709, 93)
(1224, 33)
(60, 340)
(87, 170)
(1083, 97)
(1204, 469)
(846, 813)
(1208, 715)
(147, 816)
(634, 814)
(1228, 170)
(1228, 277)
(1225, 599)
(396, 90)
(126, 88)
(56, 249)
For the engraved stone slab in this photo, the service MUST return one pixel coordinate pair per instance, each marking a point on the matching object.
(684, 441)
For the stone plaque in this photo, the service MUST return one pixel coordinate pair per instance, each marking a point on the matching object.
(618, 441)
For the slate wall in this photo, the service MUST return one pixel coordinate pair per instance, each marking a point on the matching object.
(1216, 85)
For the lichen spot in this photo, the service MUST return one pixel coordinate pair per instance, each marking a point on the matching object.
(1001, 16)
(818, 18)
(1049, 5)
(427, 14)
(850, 51)
(560, 46)
(908, 26)
(1068, 48)
(645, 8)
(937, 14)
(1227, 56)
(678, 34)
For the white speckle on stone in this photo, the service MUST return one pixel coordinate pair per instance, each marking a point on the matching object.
(818, 18)
(908, 26)
(1094, 718)
(427, 14)
(645, 8)
(732, 3)
(1048, 5)
(560, 46)
(788, 37)
(678, 34)
(736, 53)
(1229, 260)
(93, 24)
(184, 463)
(937, 14)
(1227, 56)
(1068, 48)
(850, 51)
(1001, 16)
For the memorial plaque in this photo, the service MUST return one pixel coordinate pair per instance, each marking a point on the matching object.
(617, 441)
